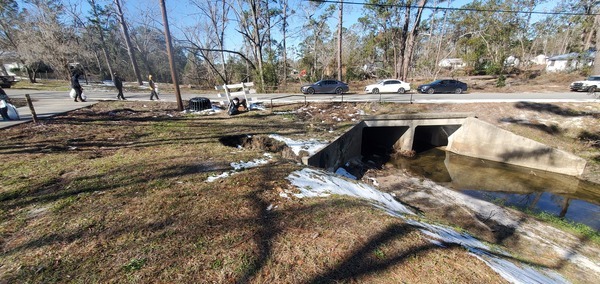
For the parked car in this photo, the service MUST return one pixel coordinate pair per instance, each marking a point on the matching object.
(325, 86)
(7, 81)
(388, 86)
(588, 85)
(443, 86)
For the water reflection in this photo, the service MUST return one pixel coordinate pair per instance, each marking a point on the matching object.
(561, 195)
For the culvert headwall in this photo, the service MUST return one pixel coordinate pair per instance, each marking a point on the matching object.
(480, 139)
(462, 134)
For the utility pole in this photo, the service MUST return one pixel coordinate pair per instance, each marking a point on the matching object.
(170, 54)
(339, 43)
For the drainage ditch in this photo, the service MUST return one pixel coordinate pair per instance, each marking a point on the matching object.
(363, 148)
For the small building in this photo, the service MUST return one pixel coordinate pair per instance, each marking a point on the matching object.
(8, 62)
(452, 63)
(539, 60)
(570, 61)
(512, 61)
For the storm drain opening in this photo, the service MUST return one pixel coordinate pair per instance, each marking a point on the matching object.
(429, 137)
(199, 103)
(378, 143)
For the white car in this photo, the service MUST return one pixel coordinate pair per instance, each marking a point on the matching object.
(388, 86)
(591, 84)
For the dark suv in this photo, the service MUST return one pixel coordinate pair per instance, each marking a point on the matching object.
(7, 81)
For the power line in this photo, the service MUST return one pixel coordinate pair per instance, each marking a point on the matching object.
(455, 9)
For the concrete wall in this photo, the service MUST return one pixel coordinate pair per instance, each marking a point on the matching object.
(339, 151)
(483, 140)
(474, 138)
(349, 145)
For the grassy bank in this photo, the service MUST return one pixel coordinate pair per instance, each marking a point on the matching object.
(118, 193)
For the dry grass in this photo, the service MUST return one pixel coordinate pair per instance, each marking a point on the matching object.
(118, 193)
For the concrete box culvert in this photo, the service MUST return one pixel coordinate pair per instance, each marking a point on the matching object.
(462, 134)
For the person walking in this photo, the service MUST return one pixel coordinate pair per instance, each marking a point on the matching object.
(4, 101)
(153, 92)
(76, 86)
(119, 85)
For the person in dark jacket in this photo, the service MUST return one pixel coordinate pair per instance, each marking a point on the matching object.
(76, 86)
(236, 106)
(4, 100)
(153, 92)
(119, 85)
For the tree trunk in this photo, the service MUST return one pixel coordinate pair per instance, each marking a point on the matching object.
(597, 57)
(412, 39)
(284, 31)
(403, 37)
(221, 41)
(339, 43)
(255, 9)
(130, 50)
(102, 41)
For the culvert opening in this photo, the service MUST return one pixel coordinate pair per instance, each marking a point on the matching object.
(429, 137)
(380, 143)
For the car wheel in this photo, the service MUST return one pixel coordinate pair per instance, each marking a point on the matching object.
(430, 91)
(310, 91)
(591, 89)
(401, 91)
(458, 91)
(338, 91)
(375, 91)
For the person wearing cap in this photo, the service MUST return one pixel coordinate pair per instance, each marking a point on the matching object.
(119, 85)
(153, 92)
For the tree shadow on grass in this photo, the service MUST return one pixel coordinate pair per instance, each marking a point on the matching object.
(590, 137)
(553, 109)
(552, 129)
(362, 262)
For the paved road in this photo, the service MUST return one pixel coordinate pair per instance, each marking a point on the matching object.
(49, 103)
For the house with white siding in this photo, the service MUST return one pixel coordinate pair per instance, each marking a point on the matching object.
(570, 61)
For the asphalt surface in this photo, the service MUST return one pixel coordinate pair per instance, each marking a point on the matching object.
(50, 103)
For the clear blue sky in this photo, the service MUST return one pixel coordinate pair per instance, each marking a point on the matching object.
(182, 13)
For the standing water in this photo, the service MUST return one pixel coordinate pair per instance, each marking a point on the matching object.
(561, 195)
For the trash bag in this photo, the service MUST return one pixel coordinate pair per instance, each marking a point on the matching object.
(72, 94)
(83, 96)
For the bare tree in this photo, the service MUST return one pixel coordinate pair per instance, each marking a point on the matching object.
(250, 19)
(9, 33)
(130, 49)
(216, 13)
(45, 38)
(412, 39)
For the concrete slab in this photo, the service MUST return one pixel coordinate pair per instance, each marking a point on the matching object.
(45, 109)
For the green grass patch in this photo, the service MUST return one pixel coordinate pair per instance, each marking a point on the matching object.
(134, 264)
(563, 224)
